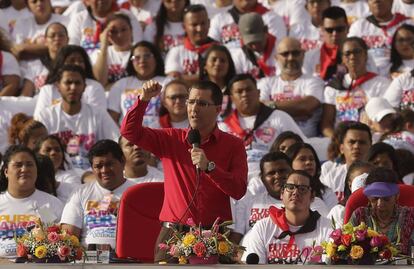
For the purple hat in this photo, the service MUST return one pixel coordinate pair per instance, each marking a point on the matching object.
(381, 189)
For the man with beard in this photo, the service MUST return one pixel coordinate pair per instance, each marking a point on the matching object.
(136, 164)
(297, 94)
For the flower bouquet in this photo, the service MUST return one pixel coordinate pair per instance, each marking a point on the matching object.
(200, 246)
(48, 244)
(358, 245)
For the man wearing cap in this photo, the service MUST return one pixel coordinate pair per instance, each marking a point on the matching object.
(257, 54)
(380, 116)
(298, 95)
(383, 212)
(225, 26)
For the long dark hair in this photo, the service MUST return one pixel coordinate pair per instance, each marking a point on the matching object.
(46, 180)
(232, 69)
(294, 150)
(160, 22)
(396, 60)
(383, 148)
(61, 146)
(159, 69)
(5, 3)
(64, 53)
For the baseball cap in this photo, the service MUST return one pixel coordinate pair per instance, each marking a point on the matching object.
(377, 108)
(252, 28)
(381, 189)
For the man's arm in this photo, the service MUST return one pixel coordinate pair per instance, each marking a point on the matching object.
(328, 120)
(299, 109)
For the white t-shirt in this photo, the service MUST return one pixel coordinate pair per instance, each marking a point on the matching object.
(226, 31)
(94, 210)
(400, 92)
(179, 59)
(309, 36)
(79, 132)
(244, 65)
(9, 16)
(153, 175)
(403, 8)
(263, 241)
(173, 34)
(74, 8)
(27, 30)
(401, 140)
(142, 15)
(378, 41)
(10, 66)
(18, 214)
(354, 10)
(94, 95)
(82, 28)
(288, 10)
(116, 61)
(212, 8)
(69, 176)
(350, 104)
(126, 91)
(337, 213)
(64, 191)
(34, 71)
(333, 176)
(276, 89)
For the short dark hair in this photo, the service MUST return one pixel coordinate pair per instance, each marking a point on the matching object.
(383, 148)
(334, 13)
(354, 125)
(357, 40)
(302, 173)
(381, 174)
(103, 147)
(70, 68)
(194, 9)
(216, 94)
(273, 157)
(46, 180)
(240, 77)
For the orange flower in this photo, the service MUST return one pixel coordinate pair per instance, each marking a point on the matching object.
(346, 239)
(356, 252)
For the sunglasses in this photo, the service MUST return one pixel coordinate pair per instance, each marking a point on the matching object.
(302, 189)
(294, 53)
(338, 29)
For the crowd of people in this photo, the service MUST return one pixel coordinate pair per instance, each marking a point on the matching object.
(294, 104)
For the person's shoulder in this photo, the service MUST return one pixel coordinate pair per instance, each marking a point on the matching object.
(221, 17)
(41, 196)
(228, 136)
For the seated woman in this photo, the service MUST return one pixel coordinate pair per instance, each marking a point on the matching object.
(402, 51)
(383, 212)
(9, 69)
(24, 130)
(94, 93)
(284, 141)
(22, 205)
(35, 72)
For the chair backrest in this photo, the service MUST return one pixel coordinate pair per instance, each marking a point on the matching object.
(358, 199)
(138, 221)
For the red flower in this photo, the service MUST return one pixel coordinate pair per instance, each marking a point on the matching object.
(199, 249)
(79, 254)
(21, 250)
(346, 239)
(52, 229)
(384, 240)
(64, 251)
(386, 254)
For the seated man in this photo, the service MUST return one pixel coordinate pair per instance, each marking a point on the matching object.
(91, 212)
(289, 234)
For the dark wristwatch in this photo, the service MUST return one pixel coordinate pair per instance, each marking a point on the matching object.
(210, 167)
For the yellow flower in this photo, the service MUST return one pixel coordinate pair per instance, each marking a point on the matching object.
(341, 248)
(189, 239)
(40, 252)
(372, 233)
(182, 260)
(356, 252)
(362, 226)
(74, 240)
(38, 234)
(223, 247)
(330, 249)
(348, 228)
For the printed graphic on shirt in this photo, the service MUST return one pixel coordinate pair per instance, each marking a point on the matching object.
(309, 44)
(282, 253)
(87, 41)
(257, 214)
(116, 72)
(11, 226)
(286, 95)
(78, 146)
(171, 41)
(39, 81)
(349, 105)
(230, 34)
(190, 66)
(407, 99)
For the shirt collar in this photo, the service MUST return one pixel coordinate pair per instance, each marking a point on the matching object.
(214, 135)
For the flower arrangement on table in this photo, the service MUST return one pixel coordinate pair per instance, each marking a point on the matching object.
(48, 244)
(201, 246)
(358, 245)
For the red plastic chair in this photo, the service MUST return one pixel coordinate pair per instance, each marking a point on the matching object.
(358, 199)
(138, 221)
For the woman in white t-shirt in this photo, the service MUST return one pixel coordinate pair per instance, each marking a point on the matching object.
(167, 31)
(35, 72)
(94, 93)
(402, 50)
(9, 69)
(22, 205)
(145, 63)
(10, 10)
(110, 61)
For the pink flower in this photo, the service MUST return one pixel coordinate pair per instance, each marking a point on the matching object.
(174, 251)
(190, 222)
(21, 250)
(336, 236)
(53, 237)
(376, 241)
(163, 246)
(207, 233)
(199, 249)
(360, 235)
(63, 251)
(52, 229)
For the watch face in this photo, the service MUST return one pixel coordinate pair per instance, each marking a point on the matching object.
(211, 166)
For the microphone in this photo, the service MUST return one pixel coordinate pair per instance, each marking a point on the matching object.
(252, 258)
(194, 139)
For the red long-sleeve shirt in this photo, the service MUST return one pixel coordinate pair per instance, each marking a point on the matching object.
(228, 179)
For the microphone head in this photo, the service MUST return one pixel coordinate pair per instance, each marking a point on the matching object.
(252, 258)
(194, 137)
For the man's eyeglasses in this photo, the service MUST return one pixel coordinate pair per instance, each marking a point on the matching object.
(294, 53)
(338, 29)
(176, 97)
(144, 57)
(201, 103)
(302, 189)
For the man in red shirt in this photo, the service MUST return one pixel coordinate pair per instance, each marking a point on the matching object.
(220, 158)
